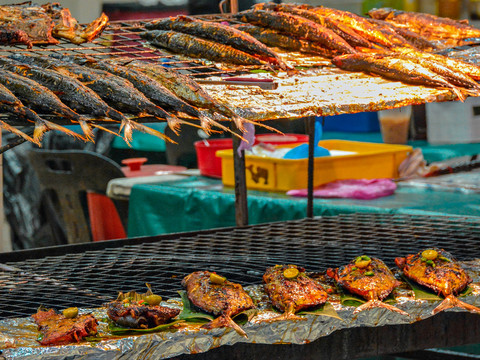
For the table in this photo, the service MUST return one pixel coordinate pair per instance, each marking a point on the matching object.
(196, 203)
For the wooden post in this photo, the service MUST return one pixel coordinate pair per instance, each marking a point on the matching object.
(241, 206)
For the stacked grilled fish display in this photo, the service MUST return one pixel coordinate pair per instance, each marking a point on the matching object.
(438, 270)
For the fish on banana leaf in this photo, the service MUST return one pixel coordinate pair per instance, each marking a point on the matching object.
(273, 38)
(336, 26)
(39, 98)
(155, 91)
(396, 69)
(369, 278)
(455, 64)
(9, 103)
(200, 48)
(432, 26)
(216, 295)
(116, 91)
(355, 22)
(220, 33)
(291, 290)
(296, 26)
(439, 271)
(187, 89)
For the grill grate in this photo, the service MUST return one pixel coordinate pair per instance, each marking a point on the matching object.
(90, 278)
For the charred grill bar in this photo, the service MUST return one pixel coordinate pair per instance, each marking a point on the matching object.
(88, 275)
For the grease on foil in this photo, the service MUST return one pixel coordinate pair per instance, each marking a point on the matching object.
(18, 336)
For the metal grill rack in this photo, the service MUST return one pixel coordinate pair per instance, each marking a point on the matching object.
(87, 275)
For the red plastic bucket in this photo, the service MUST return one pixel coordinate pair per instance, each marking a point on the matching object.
(211, 165)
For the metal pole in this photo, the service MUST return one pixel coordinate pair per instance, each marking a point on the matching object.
(311, 146)
(241, 206)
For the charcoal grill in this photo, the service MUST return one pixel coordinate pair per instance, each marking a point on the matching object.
(88, 275)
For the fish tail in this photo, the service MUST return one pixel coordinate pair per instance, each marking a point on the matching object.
(151, 131)
(87, 130)
(461, 96)
(174, 123)
(376, 304)
(264, 126)
(210, 121)
(104, 129)
(15, 131)
(225, 321)
(451, 302)
(52, 126)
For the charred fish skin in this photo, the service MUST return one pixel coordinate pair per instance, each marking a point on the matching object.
(432, 25)
(296, 26)
(439, 271)
(336, 26)
(391, 34)
(369, 278)
(118, 92)
(420, 42)
(199, 48)
(152, 89)
(139, 316)
(395, 69)
(220, 33)
(292, 294)
(272, 38)
(72, 92)
(224, 300)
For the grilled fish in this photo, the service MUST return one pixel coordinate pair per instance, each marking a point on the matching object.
(58, 330)
(117, 91)
(11, 35)
(272, 38)
(220, 33)
(218, 296)
(291, 290)
(395, 69)
(187, 89)
(391, 34)
(136, 316)
(156, 92)
(419, 41)
(9, 103)
(39, 98)
(296, 26)
(426, 24)
(371, 279)
(355, 22)
(457, 65)
(200, 48)
(336, 26)
(438, 270)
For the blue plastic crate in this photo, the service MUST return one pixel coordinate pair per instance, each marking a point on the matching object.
(361, 122)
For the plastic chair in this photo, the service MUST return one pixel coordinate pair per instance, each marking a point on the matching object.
(76, 182)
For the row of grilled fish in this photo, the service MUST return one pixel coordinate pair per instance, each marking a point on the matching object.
(85, 90)
(291, 289)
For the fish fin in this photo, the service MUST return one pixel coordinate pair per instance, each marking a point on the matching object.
(264, 126)
(52, 126)
(209, 120)
(451, 301)
(461, 96)
(87, 130)
(225, 321)
(377, 303)
(15, 131)
(151, 131)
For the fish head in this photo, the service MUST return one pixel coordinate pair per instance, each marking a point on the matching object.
(400, 262)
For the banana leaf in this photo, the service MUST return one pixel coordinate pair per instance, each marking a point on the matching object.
(326, 309)
(423, 293)
(349, 299)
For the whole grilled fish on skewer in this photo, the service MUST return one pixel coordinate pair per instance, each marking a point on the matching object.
(273, 38)
(296, 26)
(9, 103)
(371, 279)
(455, 64)
(438, 270)
(336, 26)
(291, 290)
(200, 48)
(155, 91)
(218, 296)
(117, 91)
(395, 69)
(187, 89)
(355, 22)
(431, 25)
(39, 98)
(391, 34)
(220, 33)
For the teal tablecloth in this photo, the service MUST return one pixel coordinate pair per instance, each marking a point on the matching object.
(201, 203)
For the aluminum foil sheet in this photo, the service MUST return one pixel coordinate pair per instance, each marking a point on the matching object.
(18, 336)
